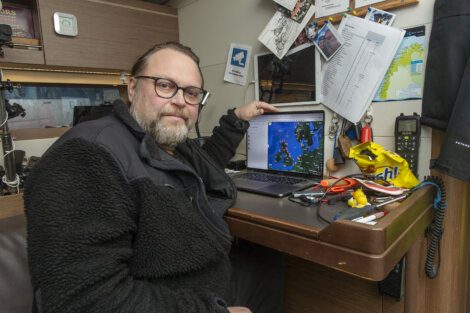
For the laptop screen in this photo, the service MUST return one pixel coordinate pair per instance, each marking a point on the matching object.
(287, 142)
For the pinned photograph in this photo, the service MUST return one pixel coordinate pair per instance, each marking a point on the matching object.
(297, 14)
(311, 30)
(300, 9)
(328, 41)
(380, 16)
(301, 39)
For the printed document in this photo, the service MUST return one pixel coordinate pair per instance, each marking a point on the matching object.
(288, 4)
(281, 32)
(330, 7)
(362, 3)
(351, 78)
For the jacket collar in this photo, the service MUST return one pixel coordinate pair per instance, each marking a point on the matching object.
(121, 110)
(149, 148)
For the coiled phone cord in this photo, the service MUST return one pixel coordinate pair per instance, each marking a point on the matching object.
(436, 228)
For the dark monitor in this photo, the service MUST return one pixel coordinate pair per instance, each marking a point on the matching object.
(293, 80)
(82, 113)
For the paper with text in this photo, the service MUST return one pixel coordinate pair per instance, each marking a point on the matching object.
(351, 78)
(281, 32)
(362, 3)
(288, 4)
(330, 7)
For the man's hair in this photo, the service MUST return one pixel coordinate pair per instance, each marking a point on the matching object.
(141, 62)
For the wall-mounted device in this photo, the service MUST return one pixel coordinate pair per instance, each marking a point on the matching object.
(407, 139)
(65, 24)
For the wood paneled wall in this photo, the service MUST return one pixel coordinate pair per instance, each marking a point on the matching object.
(449, 291)
(111, 33)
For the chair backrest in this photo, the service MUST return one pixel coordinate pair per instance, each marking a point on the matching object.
(16, 292)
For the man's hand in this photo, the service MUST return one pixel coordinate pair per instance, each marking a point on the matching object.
(253, 109)
(238, 309)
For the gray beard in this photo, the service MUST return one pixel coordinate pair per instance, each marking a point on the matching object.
(166, 136)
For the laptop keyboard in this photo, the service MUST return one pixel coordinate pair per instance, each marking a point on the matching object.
(264, 177)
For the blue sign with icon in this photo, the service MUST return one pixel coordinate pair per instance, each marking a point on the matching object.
(238, 57)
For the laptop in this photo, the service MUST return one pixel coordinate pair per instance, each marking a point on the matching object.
(285, 152)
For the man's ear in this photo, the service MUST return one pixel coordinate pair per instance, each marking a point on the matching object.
(131, 88)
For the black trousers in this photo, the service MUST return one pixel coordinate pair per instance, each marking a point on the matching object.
(446, 98)
(257, 277)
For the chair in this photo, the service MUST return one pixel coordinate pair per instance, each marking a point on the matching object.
(15, 287)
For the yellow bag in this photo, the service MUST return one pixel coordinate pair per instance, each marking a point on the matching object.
(385, 165)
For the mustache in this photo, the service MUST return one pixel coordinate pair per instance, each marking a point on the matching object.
(174, 112)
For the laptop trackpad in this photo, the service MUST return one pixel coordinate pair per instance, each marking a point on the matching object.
(278, 189)
(251, 184)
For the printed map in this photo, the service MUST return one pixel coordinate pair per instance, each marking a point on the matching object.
(405, 78)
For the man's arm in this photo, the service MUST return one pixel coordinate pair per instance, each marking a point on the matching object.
(223, 144)
(253, 109)
(81, 227)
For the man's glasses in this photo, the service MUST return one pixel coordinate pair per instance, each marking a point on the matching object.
(167, 89)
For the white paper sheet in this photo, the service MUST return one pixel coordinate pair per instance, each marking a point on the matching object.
(351, 78)
(288, 4)
(330, 7)
(281, 32)
(237, 64)
(361, 3)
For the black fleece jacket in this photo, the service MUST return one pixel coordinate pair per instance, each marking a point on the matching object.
(117, 225)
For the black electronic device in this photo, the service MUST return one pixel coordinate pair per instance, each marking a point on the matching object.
(5, 37)
(393, 284)
(83, 113)
(407, 139)
(5, 34)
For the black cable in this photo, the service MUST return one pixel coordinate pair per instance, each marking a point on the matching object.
(431, 266)
(198, 133)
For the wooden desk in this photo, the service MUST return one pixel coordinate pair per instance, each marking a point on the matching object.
(369, 252)
(334, 268)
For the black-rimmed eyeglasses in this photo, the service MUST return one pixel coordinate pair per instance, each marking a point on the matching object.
(167, 89)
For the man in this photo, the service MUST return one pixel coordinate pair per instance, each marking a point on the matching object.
(125, 214)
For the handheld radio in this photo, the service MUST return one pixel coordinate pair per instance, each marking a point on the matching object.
(407, 139)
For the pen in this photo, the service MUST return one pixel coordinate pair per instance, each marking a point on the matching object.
(372, 217)
(308, 194)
